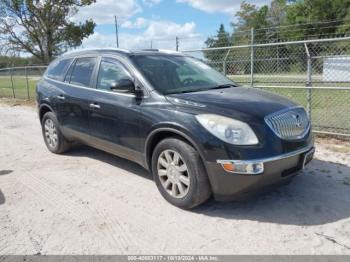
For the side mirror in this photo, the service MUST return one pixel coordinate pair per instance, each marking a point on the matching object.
(123, 85)
(138, 92)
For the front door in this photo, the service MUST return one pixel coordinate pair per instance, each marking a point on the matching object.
(114, 113)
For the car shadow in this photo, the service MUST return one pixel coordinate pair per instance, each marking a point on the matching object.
(317, 196)
(110, 159)
(5, 172)
(2, 198)
(2, 173)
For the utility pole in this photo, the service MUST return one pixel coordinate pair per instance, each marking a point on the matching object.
(116, 31)
(177, 44)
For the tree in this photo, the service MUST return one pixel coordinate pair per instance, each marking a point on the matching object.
(249, 16)
(222, 39)
(312, 12)
(43, 27)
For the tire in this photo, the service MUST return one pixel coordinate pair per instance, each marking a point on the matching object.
(197, 188)
(58, 145)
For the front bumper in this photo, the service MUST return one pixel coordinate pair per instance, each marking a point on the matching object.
(276, 170)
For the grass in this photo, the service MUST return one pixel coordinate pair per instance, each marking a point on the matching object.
(330, 108)
(20, 87)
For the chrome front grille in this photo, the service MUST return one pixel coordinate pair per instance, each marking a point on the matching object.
(289, 124)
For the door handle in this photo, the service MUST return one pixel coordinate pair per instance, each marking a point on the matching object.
(61, 97)
(96, 106)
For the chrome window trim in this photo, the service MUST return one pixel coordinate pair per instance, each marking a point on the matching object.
(90, 88)
(121, 59)
(284, 111)
(269, 159)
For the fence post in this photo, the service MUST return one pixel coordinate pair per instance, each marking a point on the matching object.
(309, 81)
(252, 57)
(27, 83)
(224, 64)
(12, 86)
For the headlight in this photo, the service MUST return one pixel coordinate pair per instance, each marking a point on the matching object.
(228, 130)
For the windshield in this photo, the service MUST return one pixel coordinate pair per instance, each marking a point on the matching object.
(171, 74)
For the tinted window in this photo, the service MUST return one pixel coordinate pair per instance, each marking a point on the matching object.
(176, 74)
(111, 72)
(57, 68)
(82, 71)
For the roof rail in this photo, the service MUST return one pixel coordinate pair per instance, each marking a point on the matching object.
(150, 49)
(97, 49)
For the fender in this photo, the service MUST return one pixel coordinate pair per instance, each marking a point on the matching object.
(172, 128)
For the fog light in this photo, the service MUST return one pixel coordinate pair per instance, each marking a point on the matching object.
(242, 167)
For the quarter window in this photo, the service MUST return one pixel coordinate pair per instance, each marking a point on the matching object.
(57, 68)
(82, 72)
(111, 72)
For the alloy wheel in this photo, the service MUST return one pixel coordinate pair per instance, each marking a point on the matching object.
(173, 173)
(50, 133)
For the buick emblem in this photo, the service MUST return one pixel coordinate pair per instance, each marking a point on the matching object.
(298, 121)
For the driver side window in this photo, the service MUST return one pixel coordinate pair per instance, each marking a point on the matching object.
(110, 73)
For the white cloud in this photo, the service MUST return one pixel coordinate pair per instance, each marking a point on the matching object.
(222, 6)
(159, 34)
(103, 11)
(140, 22)
(164, 29)
(150, 3)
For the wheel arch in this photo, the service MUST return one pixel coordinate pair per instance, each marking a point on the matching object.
(43, 109)
(162, 133)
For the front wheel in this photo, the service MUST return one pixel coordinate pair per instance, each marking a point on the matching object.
(179, 173)
(53, 137)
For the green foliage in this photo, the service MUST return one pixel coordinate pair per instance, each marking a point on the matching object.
(286, 20)
(313, 11)
(221, 39)
(43, 27)
(282, 20)
(7, 61)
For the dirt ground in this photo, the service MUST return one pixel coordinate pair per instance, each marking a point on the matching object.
(90, 202)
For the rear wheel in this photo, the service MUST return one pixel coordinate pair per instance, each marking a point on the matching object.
(53, 137)
(179, 173)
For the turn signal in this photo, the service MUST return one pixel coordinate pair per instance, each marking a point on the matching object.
(229, 167)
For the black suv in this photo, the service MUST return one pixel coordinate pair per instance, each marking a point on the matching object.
(193, 128)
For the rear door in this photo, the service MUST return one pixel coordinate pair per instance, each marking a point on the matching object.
(73, 112)
(114, 115)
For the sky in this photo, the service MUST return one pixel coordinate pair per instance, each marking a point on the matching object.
(157, 23)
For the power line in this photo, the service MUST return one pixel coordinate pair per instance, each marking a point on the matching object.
(302, 24)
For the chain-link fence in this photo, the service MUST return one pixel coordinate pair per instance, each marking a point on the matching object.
(313, 73)
(19, 82)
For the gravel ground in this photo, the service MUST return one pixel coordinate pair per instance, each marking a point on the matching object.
(90, 202)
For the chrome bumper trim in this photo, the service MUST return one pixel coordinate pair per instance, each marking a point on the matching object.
(265, 160)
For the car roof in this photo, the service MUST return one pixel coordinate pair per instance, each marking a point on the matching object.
(125, 52)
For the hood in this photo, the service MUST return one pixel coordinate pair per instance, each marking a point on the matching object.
(247, 102)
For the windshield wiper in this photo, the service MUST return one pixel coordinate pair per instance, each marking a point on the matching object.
(202, 89)
(188, 91)
(223, 86)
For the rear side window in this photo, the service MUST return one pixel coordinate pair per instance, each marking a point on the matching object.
(82, 71)
(57, 68)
